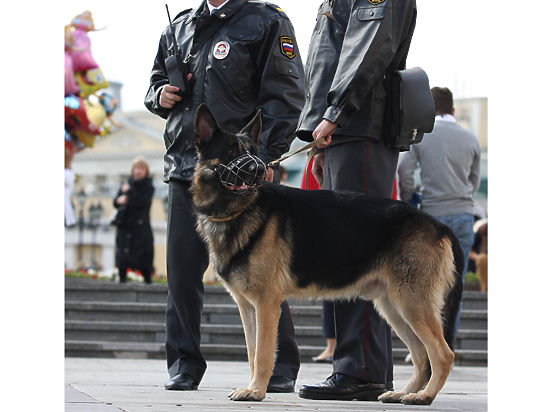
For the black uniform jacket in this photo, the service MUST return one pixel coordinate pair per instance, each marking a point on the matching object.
(250, 61)
(354, 43)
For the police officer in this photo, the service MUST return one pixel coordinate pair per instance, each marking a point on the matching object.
(242, 56)
(354, 43)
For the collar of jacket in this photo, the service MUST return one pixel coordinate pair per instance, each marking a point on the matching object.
(224, 13)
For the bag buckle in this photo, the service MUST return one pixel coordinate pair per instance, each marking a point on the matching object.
(414, 133)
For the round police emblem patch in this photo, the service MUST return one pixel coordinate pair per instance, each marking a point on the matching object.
(221, 50)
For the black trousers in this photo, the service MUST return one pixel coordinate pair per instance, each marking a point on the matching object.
(328, 319)
(363, 338)
(187, 260)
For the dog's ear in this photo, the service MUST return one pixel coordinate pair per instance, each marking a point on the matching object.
(205, 125)
(254, 127)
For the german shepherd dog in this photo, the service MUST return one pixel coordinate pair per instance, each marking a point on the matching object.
(268, 242)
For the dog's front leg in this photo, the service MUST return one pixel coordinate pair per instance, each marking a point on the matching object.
(248, 318)
(267, 317)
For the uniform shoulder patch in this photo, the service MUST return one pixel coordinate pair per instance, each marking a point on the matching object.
(277, 8)
(376, 1)
(182, 13)
(287, 46)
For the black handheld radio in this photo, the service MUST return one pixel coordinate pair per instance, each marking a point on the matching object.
(176, 68)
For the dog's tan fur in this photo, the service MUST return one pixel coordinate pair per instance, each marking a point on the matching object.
(410, 281)
(412, 307)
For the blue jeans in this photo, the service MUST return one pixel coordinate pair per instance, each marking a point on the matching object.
(462, 226)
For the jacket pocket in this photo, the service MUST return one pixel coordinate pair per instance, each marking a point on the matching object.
(286, 68)
(246, 29)
(370, 13)
(244, 35)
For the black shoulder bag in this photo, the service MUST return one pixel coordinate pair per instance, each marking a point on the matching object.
(410, 110)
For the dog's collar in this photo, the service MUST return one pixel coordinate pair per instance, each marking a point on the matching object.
(232, 216)
(227, 218)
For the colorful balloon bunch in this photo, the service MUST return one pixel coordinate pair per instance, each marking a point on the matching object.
(86, 109)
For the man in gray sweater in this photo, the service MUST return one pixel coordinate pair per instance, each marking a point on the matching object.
(448, 159)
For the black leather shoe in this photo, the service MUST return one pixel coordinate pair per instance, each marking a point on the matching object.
(280, 384)
(181, 382)
(343, 387)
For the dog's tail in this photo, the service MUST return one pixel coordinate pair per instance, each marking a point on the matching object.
(454, 296)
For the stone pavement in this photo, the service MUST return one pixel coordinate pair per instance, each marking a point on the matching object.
(136, 385)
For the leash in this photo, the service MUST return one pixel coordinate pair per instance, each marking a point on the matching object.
(314, 150)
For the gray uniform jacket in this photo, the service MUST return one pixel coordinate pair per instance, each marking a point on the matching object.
(354, 43)
(250, 61)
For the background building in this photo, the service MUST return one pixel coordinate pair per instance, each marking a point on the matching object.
(471, 113)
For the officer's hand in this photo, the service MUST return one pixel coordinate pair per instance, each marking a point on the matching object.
(324, 130)
(168, 98)
(318, 167)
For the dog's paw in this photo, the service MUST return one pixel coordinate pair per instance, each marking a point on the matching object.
(391, 397)
(416, 399)
(245, 394)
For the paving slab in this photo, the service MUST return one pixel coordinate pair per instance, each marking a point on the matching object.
(136, 385)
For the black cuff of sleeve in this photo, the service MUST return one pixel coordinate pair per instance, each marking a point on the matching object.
(336, 115)
(157, 98)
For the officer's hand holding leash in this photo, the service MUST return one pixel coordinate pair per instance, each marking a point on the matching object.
(323, 130)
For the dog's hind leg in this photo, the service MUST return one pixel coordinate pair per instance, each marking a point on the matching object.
(248, 318)
(268, 312)
(414, 344)
(427, 327)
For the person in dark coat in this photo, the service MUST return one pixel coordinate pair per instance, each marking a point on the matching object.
(242, 57)
(134, 236)
(353, 46)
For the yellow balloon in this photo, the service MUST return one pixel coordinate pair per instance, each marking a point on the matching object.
(87, 138)
(90, 81)
(95, 112)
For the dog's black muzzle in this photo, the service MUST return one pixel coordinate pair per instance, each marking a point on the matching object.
(243, 174)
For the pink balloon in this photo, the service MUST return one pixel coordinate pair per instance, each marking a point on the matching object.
(70, 83)
(81, 52)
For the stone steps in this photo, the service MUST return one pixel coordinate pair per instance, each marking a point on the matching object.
(106, 319)
(79, 330)
(223, 313)
(80, 290)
